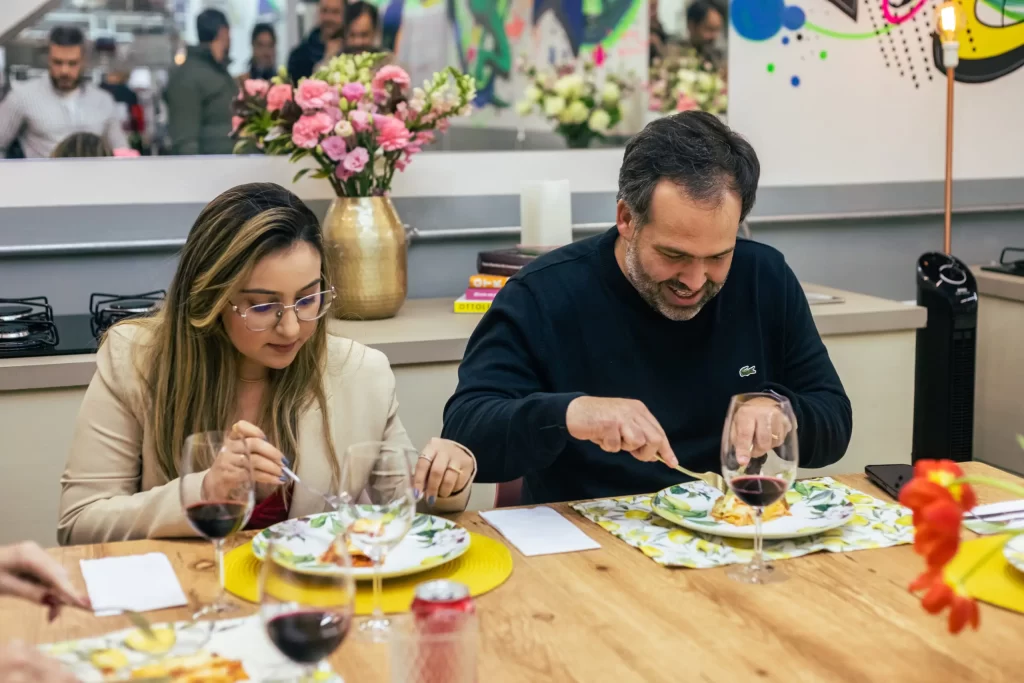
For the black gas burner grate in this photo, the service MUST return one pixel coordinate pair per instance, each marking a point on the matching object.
(107, 309)
(31, 334)
(33, 308)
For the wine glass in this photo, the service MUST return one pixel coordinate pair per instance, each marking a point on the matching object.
(760, 455)
(307, 615)
(217, 506)
(381, 505)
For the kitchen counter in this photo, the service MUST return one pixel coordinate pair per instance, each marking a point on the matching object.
(998, 406)
(871, 342)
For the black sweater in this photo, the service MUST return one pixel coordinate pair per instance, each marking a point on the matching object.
(571, 324)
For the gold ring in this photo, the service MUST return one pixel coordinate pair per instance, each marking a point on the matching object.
(775, 437)
(453, 468)
(426, 457)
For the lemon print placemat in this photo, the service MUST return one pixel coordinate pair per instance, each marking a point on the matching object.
(874, 524)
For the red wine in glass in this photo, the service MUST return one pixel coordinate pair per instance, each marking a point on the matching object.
(217, 519)
(308, 636)
(759, 491)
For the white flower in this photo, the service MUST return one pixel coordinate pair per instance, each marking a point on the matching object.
(524, 107)
(344, 129)
(577, 112)
(569, 86)
(534, 94)
(466, 110)
(686, 77)
(599, 121)
(553, 106)
(334, 78)
(611, 93)
(705, 80)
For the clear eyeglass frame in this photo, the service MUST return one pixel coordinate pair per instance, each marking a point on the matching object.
(276, 310)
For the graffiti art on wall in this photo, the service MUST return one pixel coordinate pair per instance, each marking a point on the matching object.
(991, 42)
(489, 35)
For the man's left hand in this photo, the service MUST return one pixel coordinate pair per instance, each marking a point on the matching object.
(758, 426)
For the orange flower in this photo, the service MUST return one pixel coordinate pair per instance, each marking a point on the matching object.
(940, 594)
(933, 481)
(937, 533)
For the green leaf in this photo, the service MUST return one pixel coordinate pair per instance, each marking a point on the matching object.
(318, 522)
(301, 173)
(420, 520)
(1020, 440)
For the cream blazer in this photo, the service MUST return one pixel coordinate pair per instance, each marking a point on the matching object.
(113, 489)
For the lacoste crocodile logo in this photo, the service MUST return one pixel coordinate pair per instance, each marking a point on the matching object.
(748, 370)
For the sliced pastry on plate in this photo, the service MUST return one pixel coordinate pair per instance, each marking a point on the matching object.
(731, 510)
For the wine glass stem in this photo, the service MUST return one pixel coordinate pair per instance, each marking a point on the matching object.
(218, 549)
(758, 560)
(378, 586)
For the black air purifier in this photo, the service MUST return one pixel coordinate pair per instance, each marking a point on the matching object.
(944, 369)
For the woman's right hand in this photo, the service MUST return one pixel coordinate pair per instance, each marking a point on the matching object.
(21, 663)
(227, 473)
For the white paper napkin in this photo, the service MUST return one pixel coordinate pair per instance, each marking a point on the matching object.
(135, 582)
(539, 531)
(998, 514)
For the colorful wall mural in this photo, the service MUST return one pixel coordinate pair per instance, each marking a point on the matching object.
(991, 42)
(486, 37)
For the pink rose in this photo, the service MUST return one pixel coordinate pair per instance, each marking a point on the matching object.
(424, 137)
(356, 160)
(443, 125)
(334, 148)
(308, 129)
(278, 96)
(360, 121)
(236, 123)
(686, 103)
(126, 152)
(655, 104)
(391, 133)
(401, 164)
(315, 94)
(353, 92)
(256, 87)
(390, 74)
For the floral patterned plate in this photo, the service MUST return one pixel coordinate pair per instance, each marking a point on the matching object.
(814, 508)
(1013, 551)
(432, 541)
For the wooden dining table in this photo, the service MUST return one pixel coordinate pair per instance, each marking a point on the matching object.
(615, 615)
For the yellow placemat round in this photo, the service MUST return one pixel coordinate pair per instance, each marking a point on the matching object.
(996, 581)
(484, 567)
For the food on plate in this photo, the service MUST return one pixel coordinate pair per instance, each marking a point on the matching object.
(108, 661)
(731, 510)
(364, 527)
(198, 668)
(162, 640)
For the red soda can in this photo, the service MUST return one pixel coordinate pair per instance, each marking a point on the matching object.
(445, 618)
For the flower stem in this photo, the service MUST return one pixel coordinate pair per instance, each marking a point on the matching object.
(1015, 489)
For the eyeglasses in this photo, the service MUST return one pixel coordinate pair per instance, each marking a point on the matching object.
(262, 317)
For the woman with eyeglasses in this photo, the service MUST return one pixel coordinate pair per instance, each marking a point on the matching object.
(240, 345)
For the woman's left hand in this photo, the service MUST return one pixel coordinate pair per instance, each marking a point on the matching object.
(443, 468)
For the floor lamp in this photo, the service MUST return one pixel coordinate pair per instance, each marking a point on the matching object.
(949, 18)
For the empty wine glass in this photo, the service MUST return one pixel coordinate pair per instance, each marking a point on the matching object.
(307, 615)
(760, 455)
(377, 478)
(217, 494)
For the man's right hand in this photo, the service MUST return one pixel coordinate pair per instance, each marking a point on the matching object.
(619, 424)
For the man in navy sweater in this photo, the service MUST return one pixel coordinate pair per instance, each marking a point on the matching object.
(605, 356)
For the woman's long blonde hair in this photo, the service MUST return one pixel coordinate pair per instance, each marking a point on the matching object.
(190, 365)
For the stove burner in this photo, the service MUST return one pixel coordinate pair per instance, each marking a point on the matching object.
(108, 309)
(13, 331)
(12, 312)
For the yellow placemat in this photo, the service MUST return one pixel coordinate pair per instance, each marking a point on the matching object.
(484, 567)
(996, 581)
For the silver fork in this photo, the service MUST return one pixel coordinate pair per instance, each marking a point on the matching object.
(336, 502)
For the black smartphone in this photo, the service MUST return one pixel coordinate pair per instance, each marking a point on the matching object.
(890, 478)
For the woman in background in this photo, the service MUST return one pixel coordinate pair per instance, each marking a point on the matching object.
(82, 145)
(239, 344)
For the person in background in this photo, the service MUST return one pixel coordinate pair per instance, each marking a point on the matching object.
(240, 344)
(133, 120)
(705, 23)
(82, 145)
(263, 63)
(43, 112)
(27, 572)
(362, 28)
(658, 37)
(605, 356)
(200, 92)
(323, 42)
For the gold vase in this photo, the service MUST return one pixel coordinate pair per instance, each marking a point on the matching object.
(367, 243)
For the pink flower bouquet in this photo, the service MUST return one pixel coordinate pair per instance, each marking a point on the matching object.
(358, 123)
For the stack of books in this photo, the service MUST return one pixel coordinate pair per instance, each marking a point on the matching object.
(493, 270)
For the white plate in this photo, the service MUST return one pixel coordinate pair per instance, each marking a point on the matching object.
(431, 542)
(814, 509)
(1013, 551)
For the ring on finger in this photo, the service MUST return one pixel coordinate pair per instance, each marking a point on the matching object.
(428, 458)
(455, 469)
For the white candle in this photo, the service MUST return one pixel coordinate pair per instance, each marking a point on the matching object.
(545, 213)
